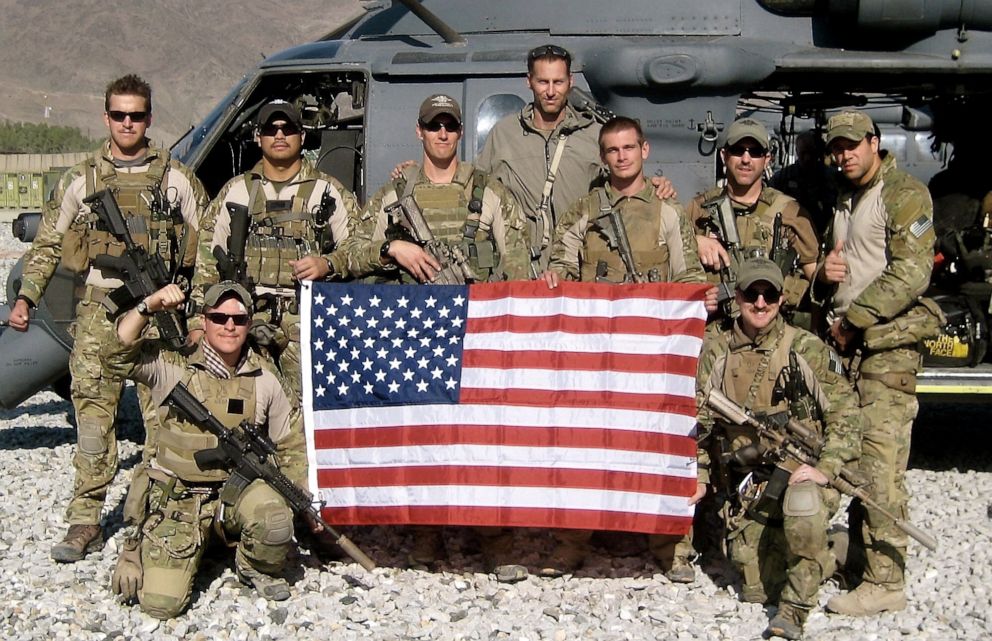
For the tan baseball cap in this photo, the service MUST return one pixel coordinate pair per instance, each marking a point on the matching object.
(222, 289)
(853, 125)
(747, 128)
(439, 104)
(759, 269)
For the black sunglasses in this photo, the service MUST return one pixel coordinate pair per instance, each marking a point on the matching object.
(740, 150)
(220, 318)
(135, 116)
(270, 129)
(548, 50)
(771, 295)
(434, 126)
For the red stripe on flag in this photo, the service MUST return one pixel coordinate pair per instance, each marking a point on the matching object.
(509, 517)
(587, 291)
(581, 361)
(586, 325)
(507, 477)
(537, 436)
(572, 398)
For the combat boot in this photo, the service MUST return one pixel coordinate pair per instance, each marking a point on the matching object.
(428, 547)
(273, 588)
(79, 541)
(866, 600)
(787, 623)
(566, 557)
(498, 553)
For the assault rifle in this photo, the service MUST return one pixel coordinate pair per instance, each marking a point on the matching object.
(455, 269)
(143, 273)
(616, 238)
(322, 217)
(231, 264)
(249, 453)
(795, 444)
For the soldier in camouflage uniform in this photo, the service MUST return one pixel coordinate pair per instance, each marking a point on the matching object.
(165, 200)
(776, 538)
(663, 249)
(882, 242)
(297, 217)
(173, 504)
(753, 207)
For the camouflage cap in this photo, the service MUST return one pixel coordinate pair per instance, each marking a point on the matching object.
(757, 269)
(222, 289)
(439, 104)
(746, 128)
(279, 108)
(853, 125)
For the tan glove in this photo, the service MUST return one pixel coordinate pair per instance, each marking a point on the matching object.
(127, 575)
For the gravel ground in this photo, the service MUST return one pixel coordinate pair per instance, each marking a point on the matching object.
(950, 591)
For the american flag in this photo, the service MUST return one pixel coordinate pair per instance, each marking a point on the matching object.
(504, 404)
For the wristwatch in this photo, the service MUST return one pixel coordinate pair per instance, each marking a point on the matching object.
(846, 325)
(384, 252)
(142, 308)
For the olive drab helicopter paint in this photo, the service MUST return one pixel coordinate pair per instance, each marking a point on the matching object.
(684, 68)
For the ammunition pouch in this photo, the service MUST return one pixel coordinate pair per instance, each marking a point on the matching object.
(921, 321)
(901, 381)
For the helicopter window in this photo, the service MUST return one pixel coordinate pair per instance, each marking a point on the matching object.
(490, 111)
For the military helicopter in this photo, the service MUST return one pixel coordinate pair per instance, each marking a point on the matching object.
(684, 68)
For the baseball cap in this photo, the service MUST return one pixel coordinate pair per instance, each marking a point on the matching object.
(222, 289)
(758, 269)
(746, 128)
(439, 104)
(279, 108)
(853, 125)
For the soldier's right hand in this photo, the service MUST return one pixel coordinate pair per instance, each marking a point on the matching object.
(169, 297)
(835, 265)
(551, 278)
(20, 316)
(413, 258)
(712, 254)
(397, 171)
(127, 578)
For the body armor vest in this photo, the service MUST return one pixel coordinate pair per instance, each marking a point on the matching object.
(230, 400)
(154, 223)
(643, 230)
(755, 228)
(280, 231)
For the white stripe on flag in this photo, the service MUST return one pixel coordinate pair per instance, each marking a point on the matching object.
(552, 379)
(678, 345)
(587, 308)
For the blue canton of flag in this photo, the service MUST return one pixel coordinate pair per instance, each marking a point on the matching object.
(386, 345)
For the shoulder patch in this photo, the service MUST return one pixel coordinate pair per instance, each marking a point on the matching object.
(921, 226)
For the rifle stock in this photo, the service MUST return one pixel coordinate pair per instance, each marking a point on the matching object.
(796, 444)
(248, 452)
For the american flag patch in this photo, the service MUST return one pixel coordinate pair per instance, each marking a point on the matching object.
(922, 225)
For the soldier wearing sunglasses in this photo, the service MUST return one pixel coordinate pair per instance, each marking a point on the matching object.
(753, 207)
(163, 202)
(174, 505)
(776, 520)
(297, 217)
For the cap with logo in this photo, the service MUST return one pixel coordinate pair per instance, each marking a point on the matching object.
(853, 125)
(755, 270)
(218, 291)
(287, 110)
(746, 128)
(437, 105)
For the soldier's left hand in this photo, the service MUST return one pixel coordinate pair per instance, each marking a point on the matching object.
(313, 523)
(805, 473)
(699, 494)
(663, 188)
(712, 295)
(310, 268)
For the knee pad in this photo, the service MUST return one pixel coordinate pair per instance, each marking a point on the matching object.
(277, 525)
(91, 437)
(802, 499)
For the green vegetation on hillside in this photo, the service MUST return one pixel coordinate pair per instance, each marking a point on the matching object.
(30, 138)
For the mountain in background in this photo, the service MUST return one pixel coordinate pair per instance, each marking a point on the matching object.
(59, 56)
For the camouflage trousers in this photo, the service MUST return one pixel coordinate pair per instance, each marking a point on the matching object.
(671, 550)
(780, 547)
(96, 394)
(179, 527)
(285, 352)
(887, 423)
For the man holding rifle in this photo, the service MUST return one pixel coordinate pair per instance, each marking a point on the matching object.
(162, 202)
(776, 514)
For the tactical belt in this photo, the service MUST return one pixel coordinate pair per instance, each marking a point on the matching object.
(902, 381)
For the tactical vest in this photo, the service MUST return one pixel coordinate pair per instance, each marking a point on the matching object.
(643, 231)
(230, 400)
(454, 217)
(154, 223)
(280, 231)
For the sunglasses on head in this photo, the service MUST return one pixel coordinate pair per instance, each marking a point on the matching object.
(220, 318)
(770, 294)
(549, 50)
(434, 126)
(270, 129)
(740, 150)
(135, 116)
